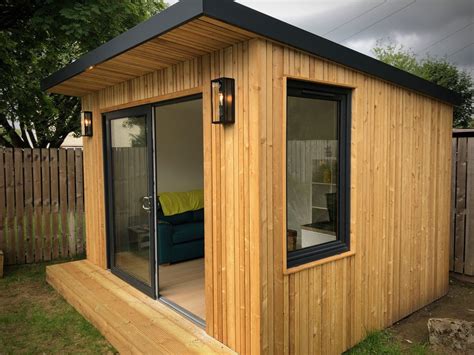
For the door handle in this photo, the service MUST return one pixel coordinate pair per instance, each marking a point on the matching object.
(146, 203)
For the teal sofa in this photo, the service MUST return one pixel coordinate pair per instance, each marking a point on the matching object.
(180, 236)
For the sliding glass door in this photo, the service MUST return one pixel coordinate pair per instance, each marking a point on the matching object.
(130, 197)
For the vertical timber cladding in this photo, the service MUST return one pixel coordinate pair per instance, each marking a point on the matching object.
(94, 199)
(400, 210)
(232, 178)
(400, 200)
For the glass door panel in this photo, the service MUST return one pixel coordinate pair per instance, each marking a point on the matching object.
(130, 170)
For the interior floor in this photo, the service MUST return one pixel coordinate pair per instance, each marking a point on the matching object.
(183, 284)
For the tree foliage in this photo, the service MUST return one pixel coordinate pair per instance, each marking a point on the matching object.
(437, 70)
(38, 37)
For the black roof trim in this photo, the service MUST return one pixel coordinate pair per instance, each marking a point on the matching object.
(253, 21)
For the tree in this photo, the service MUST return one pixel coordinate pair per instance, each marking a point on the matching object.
(38, 37)
(437, 70)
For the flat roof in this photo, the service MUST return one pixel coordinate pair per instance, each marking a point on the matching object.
(238, 15)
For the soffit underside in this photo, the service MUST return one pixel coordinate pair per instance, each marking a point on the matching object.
(188, 41)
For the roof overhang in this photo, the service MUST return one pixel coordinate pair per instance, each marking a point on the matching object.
(189, 29)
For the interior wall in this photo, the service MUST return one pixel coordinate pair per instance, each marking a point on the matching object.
(179, 146)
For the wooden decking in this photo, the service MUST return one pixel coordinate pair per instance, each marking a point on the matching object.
(131, 321)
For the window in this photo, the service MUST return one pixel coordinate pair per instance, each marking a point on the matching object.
(317, 171)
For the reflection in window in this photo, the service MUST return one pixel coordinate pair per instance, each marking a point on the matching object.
(129, 156)
(313, 182)
(312, 171)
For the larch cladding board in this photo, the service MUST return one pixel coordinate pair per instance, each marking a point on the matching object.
(400, 210)
(400, 202)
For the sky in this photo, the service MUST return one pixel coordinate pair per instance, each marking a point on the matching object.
(441, 28)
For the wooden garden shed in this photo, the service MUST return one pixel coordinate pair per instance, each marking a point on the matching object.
(253, 187)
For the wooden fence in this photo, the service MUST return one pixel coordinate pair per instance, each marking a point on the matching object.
(462, 218)
(41, 204)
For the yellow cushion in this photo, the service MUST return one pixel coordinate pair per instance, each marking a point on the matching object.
(180, 202)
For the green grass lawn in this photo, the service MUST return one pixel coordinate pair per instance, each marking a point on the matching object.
(34, 319)
(383, 342)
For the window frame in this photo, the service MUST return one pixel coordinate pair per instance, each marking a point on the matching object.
(342, 95)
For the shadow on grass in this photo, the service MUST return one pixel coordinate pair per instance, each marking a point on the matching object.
(35, 319)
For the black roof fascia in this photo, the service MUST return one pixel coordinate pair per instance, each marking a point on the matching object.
(156, 25)
(251, 20)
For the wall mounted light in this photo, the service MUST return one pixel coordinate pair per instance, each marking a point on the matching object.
(86, 120)
(223, 100)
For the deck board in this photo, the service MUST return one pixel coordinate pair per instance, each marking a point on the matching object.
(131, 321)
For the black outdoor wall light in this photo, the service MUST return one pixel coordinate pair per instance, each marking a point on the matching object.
(223, 100)
(86, 123)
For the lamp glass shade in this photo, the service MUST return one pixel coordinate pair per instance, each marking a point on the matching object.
(86, 125)
(223, 101)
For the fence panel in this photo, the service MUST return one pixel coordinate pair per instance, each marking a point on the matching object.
(462, 237)
(41, 204)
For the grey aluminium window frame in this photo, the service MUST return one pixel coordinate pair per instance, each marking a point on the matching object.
(343, 97)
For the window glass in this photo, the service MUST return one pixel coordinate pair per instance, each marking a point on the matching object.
(311, 171)
(316, 172)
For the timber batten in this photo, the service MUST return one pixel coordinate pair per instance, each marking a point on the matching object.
(399, 189)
